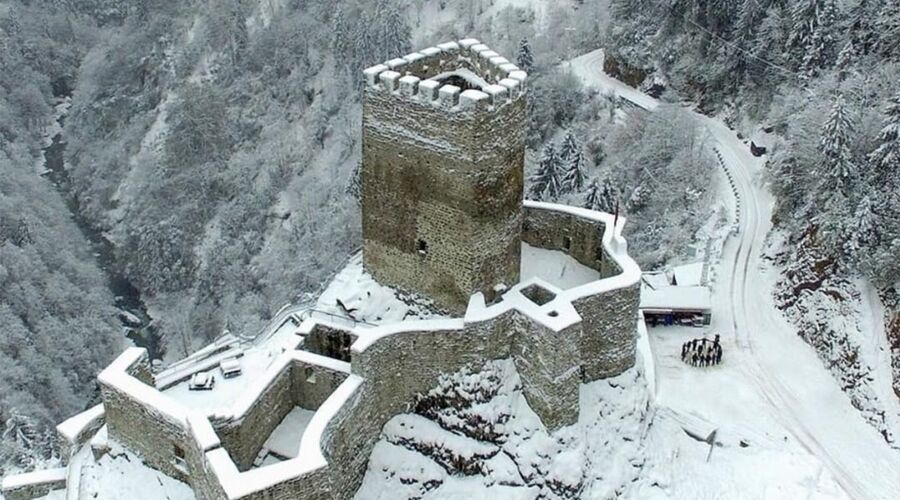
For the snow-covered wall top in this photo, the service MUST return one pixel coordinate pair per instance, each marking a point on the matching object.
(424, 76)
(369, 391)
(555, 315)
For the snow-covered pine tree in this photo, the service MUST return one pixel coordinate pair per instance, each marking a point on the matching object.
(884, 164)
(861, 25)
(354, 186)
(525, 59)
(546, 183)
(863, 230)
(572, 160)
(845, 59)
(887, 29)
(768, 45)
(834, 143)
(343, 46)
(812, 38)
(238, 35)
(393, 33)
(600, 195)
(592, 195)
(341, 41)
(742, 36)
(885, 160)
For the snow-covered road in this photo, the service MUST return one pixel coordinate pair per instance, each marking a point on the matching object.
(784, 371)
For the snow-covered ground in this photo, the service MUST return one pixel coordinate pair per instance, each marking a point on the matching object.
(776, 375)
(554, 267)
(367, 300)
(438, 453)
(120, 475)
(285, 439)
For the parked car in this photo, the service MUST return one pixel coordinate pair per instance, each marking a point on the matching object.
(202, 381)
(231, 367)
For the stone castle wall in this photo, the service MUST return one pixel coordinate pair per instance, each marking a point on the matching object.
(142, 426)
(443, 175)
(607, 342)
(394, 374)
(244, 437)
(298, 384)
(392, 365)
(554, 230)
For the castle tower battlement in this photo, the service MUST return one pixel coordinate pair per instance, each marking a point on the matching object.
(443, 151)
(423, 76)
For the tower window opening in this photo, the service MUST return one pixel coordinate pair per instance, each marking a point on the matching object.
(180, 460)
(422, 247)
(567, 243)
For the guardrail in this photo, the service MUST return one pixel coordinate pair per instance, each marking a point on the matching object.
(737, 196)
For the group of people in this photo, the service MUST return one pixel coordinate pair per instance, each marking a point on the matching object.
(702, 352)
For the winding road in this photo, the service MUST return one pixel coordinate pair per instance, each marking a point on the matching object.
(785, 371)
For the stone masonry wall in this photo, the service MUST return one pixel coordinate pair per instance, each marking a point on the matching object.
(312, 384)
(550, 368)
(395, 373)
(549, 229)
(609, 332)
(299, 384)
(244, 438)
(444, 175)
(328, 341)
(34, 490)
(144, 429)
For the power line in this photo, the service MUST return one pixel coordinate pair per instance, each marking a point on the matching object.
(754, 56)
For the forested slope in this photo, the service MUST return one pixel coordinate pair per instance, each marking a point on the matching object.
(58, 326)
(820, 78)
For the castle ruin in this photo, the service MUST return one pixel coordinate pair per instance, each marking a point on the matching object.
(443, 216)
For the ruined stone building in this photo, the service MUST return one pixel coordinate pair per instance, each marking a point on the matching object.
(443, 218)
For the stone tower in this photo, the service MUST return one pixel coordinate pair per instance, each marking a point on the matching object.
(443, 148)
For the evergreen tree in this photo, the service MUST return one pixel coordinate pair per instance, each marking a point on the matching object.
(341, 40)
(768, 45)
(835, 146)
(812, 38)
(601, 195)
(546, 184)
(572, 161)
(238, 36)
(392, 31)
(734, 63)
(354, 186)
(861, 25)
(845, 59)
(887, 28)
(884, 162)
(863, 230)
(525, 59)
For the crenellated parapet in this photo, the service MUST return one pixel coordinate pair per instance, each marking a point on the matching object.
(461, 76)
